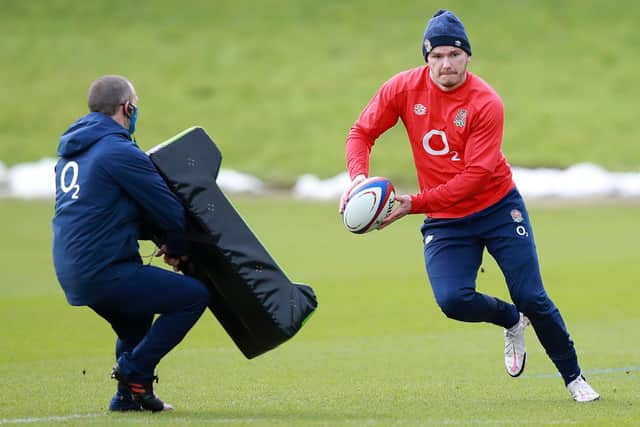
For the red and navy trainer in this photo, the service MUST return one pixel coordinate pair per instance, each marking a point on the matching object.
(123, 402)
(141, 393)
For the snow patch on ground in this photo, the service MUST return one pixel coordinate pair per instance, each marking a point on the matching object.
(580, 181)
(36, 180)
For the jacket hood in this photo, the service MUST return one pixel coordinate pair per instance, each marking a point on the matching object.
(86, 131)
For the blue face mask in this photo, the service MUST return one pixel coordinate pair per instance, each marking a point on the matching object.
(133, 119)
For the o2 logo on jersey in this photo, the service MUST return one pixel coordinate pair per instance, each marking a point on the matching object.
(426, 143)
(69, 179)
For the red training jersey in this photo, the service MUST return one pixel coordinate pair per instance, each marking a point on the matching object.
(455, 137)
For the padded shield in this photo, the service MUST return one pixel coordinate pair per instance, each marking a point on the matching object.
(258, 306)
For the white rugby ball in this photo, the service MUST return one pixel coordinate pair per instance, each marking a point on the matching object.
(369, 203)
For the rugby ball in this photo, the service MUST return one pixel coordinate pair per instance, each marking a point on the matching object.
(369, 203)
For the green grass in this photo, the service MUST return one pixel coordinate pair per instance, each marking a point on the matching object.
(278, 83)
(378, 351)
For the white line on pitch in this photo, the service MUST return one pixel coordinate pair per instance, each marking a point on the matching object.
(52, 418)
(587, 372)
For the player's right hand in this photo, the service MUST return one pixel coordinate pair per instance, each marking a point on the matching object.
(175, 262)
(345, 195)
(403, 208)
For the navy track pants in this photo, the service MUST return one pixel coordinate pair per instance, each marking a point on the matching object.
(130, 305)
(453, 250)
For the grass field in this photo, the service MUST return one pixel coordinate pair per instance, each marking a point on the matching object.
(278, 83)
(378, 352)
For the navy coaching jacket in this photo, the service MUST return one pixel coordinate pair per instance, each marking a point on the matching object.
(104, 183)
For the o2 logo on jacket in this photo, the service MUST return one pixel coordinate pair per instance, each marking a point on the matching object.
(426, 144)
(70, 183)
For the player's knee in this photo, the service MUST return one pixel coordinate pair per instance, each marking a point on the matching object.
(203, 295)
(198, 294)
(452, 306)
(535, 305)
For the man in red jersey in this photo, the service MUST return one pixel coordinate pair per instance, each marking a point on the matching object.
(455, 121)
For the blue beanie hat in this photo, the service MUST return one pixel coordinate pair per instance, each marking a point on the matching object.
(444, 29)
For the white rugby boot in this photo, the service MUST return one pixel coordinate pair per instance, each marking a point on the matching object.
(515, 351)
(581, 391)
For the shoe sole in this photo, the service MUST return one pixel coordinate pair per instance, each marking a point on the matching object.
(524, 362)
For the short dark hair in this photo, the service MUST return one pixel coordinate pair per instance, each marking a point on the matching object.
(107, 93)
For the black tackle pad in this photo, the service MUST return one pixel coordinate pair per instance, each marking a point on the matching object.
(258, 306)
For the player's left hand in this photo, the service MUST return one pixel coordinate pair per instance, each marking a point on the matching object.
(403, 207)
(347, 191)
(175, 262)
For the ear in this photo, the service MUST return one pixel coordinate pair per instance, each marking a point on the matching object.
(127, 109)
